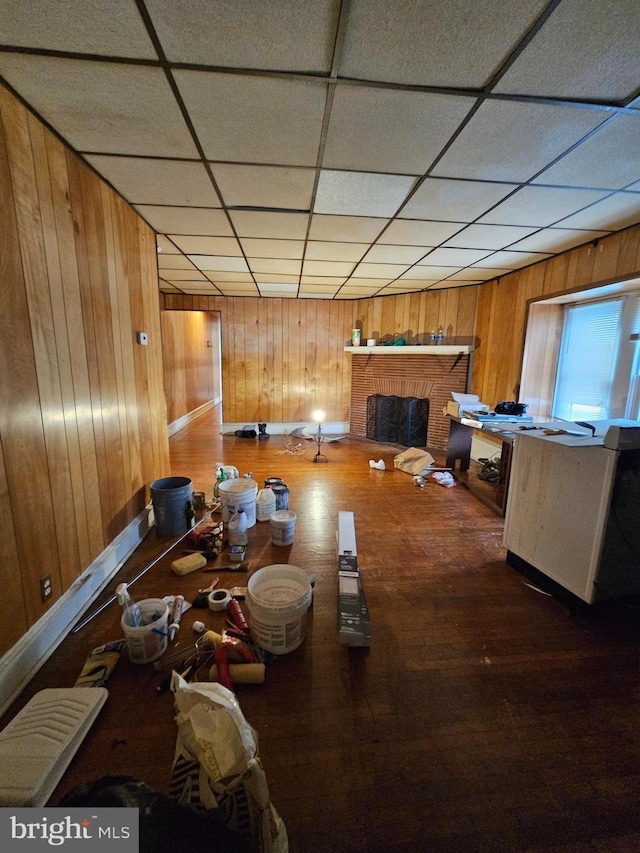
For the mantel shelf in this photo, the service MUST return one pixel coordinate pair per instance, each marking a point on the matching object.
(442, 349)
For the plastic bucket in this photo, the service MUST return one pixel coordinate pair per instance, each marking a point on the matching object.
(170, 497)
(146, 642)
(278, 598)
(283, 525)
(234, 494)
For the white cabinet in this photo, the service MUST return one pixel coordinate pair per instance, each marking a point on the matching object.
(574, 512)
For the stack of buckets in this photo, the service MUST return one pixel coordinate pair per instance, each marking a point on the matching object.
(273, 506)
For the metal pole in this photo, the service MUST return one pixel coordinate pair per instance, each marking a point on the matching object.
(104, 606)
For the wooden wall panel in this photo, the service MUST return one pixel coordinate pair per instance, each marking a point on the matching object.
(502, 307)
(189, 364)
(73, 472)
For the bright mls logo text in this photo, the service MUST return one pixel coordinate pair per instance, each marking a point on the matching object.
(59, 831)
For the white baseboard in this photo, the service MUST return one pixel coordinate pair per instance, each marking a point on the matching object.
(180, 423)
(24, 659)
(332, 428)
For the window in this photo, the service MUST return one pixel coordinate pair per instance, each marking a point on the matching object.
(587, 359)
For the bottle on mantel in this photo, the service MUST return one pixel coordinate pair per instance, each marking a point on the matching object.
(440, 338)
(432, 338)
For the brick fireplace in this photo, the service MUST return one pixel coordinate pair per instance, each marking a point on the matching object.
(431, 376)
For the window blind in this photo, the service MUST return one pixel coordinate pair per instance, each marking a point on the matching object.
(588, 351)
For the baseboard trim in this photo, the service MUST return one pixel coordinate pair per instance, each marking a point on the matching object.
(24, 659)
(329, 429)
(181, 423)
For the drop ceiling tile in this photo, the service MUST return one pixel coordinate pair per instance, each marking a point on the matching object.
(409, 42)
(221, 276)
(274, 277)
(475, 274)
(207, 245)
(416, 232)
(351, 292)
(383, 253)
(617, 211)
(361, 193)
(368, 282)
(453, 201)
(264, 186)
(507, 259)
(198, 287)
(318, 288)
(321, 280)
(181, 283)
(607, 159)
(556, 240)
(533, 205)
(425, 271)
(260, 248)
(166, 246)
(102, 106)
(219, 262)
(276, 36)
(587, 49)
(327, 268)
(413, 283)
(355, 229)
(276, 287)
(278, 226)
(165, 287)
(144, 181)
(387, 130)
(388, 271)
(488, 236)
(327, 251)
(185, 220)
(238, 289)
(83, 26)
(405, 287)
(274, 265)
(454, 257)
(512, 141)
(174, 262)
(183, 275)
(245, 118)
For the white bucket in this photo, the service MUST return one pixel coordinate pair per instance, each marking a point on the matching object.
(278, 598)
(283, 525)
(146, 642)
(234, 494)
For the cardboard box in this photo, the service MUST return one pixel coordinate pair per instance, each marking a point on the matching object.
(354, 623)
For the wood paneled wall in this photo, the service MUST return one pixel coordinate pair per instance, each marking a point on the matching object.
(191, 356)
(283, 358)
(82, 410)
(502, 306)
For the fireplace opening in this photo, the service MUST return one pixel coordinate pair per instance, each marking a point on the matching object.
(399, 420)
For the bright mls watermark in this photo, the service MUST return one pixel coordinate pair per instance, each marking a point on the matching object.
(34, 829)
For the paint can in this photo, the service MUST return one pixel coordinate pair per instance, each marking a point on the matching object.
(281, 491)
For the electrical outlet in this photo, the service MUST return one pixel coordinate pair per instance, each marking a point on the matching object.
(45, 588)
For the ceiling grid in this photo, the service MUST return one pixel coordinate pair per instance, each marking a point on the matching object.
(340, 150)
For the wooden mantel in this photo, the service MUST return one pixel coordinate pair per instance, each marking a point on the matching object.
(439, 349)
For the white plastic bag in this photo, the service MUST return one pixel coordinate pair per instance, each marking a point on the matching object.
(216, 765)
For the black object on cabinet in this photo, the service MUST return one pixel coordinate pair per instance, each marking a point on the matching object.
(402, 420)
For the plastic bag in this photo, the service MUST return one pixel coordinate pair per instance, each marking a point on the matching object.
(413, 460)
(216, 765)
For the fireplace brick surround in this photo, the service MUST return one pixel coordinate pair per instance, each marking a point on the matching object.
(432, 376)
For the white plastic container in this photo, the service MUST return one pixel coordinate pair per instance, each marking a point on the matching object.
(238, 493)
(237, 528)
(265, 504)
(283, 526)
(146, 642)
(278, 598)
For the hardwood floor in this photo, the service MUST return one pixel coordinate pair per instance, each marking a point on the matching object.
(484, 716)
